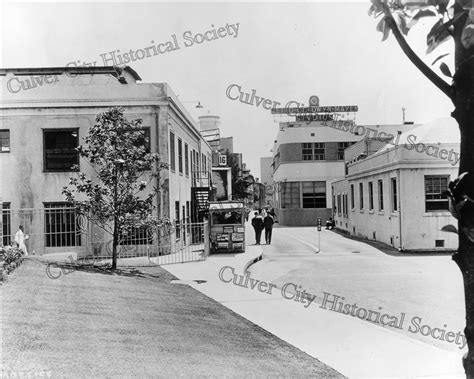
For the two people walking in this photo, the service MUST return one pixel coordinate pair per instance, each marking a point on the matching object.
(260, 222)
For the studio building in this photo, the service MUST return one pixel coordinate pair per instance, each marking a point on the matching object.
(47, 115)
(394, 193)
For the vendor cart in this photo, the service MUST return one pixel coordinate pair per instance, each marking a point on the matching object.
(227, 227)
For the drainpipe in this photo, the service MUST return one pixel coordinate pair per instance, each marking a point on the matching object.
(399, 185)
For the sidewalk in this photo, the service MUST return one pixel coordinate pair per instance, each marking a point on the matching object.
(353, 347)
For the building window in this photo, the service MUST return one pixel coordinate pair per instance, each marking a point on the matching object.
(314, 194)
(60, 153)
(344, 204)
(60, 225)
(394, 191)
(172, 152)
(352, 197)
(307, 151)
(339, 206)
(180, 156)
(435, 197)
(144, 140)
(204, 162)
(380, 188)
(313, 151)
(319, 151)
(4, 141)
(371, 196)
(6, 224)
(186, 159)
(290, 195)
(341, 146)
(176, 221)
(361, 196)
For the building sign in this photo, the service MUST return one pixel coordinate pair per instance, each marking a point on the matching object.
(315, 109)
(222, 160)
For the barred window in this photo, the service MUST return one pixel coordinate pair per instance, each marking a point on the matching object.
(314, 194)
(6, 224)
(361, 196)
(435, 198)
(290, 195)
(60, 225)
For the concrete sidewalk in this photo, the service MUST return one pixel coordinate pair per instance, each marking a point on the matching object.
(354, 347)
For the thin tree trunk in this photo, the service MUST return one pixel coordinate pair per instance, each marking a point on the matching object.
(114, 245)
(464, 114)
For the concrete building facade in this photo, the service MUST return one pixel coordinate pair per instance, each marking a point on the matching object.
(44, 124)
(395, 194)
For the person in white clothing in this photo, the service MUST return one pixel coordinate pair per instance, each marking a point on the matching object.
(20, 238)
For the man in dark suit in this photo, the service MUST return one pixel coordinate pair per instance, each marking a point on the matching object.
(268, 224)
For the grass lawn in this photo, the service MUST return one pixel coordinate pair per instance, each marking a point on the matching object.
(91, 324)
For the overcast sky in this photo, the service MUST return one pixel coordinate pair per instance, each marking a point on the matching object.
(284, 51)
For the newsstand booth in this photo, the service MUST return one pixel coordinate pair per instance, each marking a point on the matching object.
(227, 227)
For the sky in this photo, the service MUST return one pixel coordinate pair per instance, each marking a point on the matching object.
(283, 51)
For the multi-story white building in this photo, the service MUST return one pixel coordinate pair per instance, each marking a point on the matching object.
(394, 193)
(45, 113)
(307, 157)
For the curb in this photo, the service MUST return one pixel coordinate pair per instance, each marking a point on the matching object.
(254, 260)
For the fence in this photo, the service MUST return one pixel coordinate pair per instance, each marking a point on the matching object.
(59, 229)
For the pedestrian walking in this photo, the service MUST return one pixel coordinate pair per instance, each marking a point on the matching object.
(268, 225)
(257, 223)
(20, 238)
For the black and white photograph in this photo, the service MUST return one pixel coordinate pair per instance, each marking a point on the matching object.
(217, 189)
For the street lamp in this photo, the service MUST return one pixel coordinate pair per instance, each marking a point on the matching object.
(199, 106)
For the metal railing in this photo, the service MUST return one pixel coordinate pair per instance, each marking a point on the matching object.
(59, 229)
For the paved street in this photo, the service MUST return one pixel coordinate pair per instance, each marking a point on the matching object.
(362, 274)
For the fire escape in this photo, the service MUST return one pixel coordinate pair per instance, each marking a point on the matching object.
(200, 195)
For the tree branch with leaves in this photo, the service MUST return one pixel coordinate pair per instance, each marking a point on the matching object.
(117, 197)
(452, 20)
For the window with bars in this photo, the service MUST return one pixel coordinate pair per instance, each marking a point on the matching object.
(180, 155)
(186, 159)
(339, 205)
(60, 152)
(435, 196)
(290, 195)
(314, 194)
(307, 151)
(4, 141)
(60, 225)
(341, 146)
(172, 152)
(361, 196)
(6, 224)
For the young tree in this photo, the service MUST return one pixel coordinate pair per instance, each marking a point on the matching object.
(453, 20)
(115, 199)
